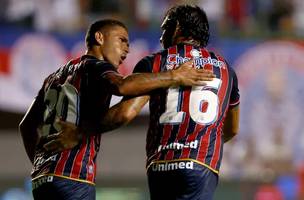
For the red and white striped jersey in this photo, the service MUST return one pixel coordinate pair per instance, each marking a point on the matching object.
(186, 122)
(78, 93)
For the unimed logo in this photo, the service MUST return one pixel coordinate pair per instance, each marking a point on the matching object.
(178, 146)
(169, 166)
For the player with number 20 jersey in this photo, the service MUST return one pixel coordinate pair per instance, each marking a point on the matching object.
(61, 92)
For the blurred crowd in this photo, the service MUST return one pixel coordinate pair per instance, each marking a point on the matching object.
(228, 17)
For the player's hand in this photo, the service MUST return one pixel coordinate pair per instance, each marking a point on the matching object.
(69, 136)
(187, 75)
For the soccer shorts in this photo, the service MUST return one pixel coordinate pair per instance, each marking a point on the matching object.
(198, 183)
(53, 188)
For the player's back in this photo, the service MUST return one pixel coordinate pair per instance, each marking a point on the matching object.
(76, 94)
(186, 122)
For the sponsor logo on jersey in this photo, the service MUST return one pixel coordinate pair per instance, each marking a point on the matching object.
(178, 146)
(38, 182)
(40, 160)
(174, 60)
(169, 166)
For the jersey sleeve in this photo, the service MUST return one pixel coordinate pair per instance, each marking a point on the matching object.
(100, 70)
(103, 68)
(235, 96)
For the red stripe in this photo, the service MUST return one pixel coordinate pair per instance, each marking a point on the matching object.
(217, 147)
(204, 141)
(172, 50)
(90, 176)
(169, 155)
(204, 144)
(5, 65)
(167, 127)
(188, 49)
(76, 60)
(205, 54)
(78, 161)
(183, 127)
(61, 162)
(191, 137)
(221, 94)
(198, 127)
(218, 142)
(185, 102)
(166, 134)
(156, 63)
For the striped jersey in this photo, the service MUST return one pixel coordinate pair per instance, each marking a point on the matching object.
(186, 122)
(77, 93)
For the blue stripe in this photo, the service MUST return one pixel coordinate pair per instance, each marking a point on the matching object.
(69, 162)
(211, 147)
(85, 160)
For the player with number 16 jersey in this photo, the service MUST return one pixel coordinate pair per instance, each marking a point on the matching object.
(186, 123)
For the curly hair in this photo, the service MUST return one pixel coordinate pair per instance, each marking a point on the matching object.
(192, 20)
(100, 25)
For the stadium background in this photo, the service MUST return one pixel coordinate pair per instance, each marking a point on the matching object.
(261, 39)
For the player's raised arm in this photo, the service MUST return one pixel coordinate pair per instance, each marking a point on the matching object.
(141, 83)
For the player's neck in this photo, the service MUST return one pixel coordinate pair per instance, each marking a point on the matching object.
(94, 52)
(189, 41)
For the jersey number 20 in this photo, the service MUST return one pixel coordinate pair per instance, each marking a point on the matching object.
(62, 102)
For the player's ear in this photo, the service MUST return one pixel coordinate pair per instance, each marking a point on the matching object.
(99, 37)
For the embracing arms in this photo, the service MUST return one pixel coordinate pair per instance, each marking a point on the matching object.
(142, 83)
(122, 113)
(118, 115)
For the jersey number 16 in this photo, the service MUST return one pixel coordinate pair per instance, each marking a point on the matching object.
(198, 96)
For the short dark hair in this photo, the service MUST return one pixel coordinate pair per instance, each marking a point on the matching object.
(192, 20)
(98, 26)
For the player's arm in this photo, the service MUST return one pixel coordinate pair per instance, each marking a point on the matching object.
(122, 113)
(117, 116)
(231, 123)
(132, 85)
(28, 127)
(142, 83)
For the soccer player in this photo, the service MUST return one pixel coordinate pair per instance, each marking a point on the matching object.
(188, 125)
(80, 93)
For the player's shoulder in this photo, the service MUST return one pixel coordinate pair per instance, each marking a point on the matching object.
(92, 63)
(144, 64)
(149, 59)
(214, 54)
